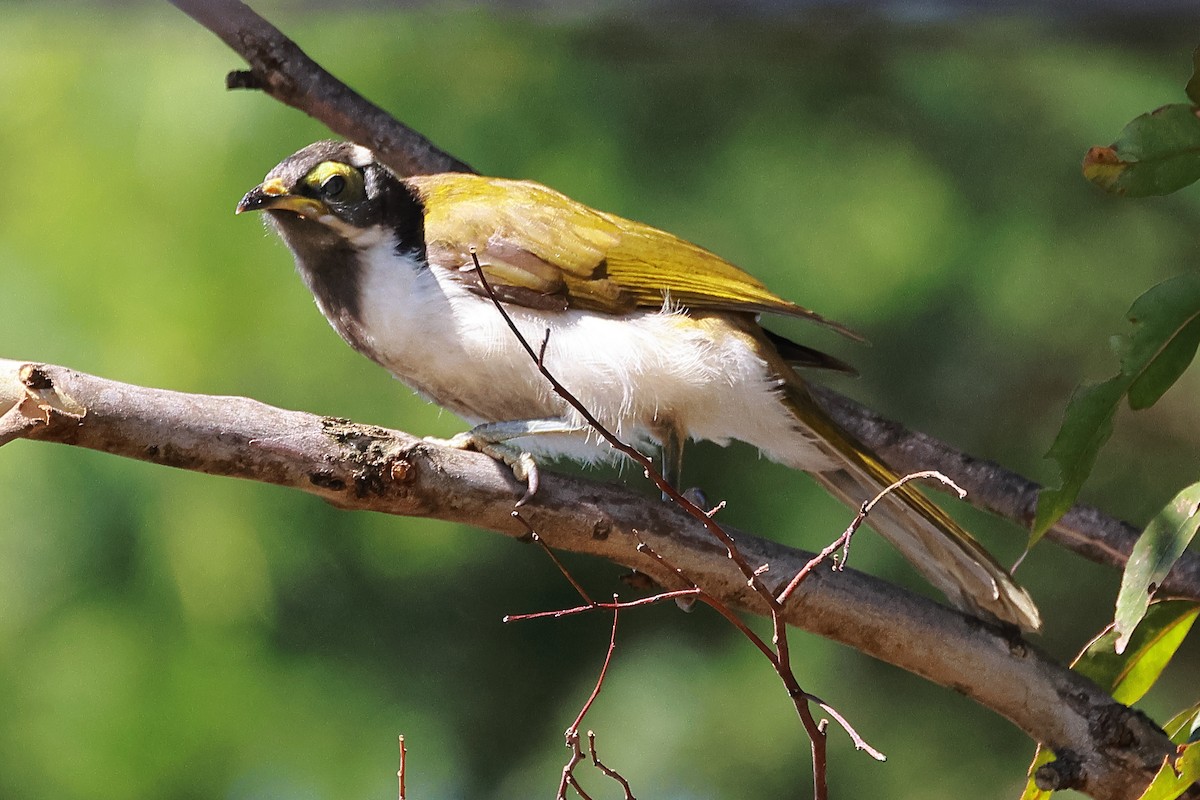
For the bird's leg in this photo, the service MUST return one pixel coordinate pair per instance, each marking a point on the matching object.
(671, 455)
(670, 446)
(495, 439)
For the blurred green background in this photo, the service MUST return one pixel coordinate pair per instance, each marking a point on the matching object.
(171, 635)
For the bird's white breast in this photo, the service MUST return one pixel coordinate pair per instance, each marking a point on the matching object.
(635, 373)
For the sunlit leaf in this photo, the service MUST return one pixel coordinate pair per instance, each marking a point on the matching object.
(1184, 727)
(1129, 675)
(1162, 344)
(1156, 551)
(1175, 776)
(1157, 153)
(1041, 757)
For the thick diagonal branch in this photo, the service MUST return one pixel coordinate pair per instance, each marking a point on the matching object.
(281, 69)
(364, 467)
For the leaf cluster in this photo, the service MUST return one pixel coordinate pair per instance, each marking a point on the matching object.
(1157, 153)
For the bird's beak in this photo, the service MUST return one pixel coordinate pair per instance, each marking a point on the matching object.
(272, 195)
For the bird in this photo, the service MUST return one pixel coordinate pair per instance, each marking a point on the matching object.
(659, 339)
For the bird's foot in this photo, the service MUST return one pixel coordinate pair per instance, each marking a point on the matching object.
(495, 439)
(522, 464)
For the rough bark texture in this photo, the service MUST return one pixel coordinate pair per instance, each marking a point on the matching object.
(1111, 751)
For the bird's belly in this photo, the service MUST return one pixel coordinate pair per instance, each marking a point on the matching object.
(639, 374)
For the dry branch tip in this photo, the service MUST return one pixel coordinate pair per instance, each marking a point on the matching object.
(244, 79)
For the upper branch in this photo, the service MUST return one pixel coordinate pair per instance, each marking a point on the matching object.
(1116, 749)
(281, 69)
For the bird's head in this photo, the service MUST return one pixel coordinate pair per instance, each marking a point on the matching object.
(327, 191)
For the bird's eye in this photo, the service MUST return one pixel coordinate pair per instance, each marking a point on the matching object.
(335, 181)
(333, 186)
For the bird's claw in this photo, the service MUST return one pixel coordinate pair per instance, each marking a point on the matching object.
(526, 470)
(522, 464)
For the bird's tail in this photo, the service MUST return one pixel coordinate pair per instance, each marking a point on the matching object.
(935, 544)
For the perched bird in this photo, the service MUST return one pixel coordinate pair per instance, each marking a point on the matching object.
(657, 337)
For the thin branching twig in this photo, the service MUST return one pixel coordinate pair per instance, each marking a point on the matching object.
(843, 541)
(609, 771)
(400, 773)
(572, 733)
(780, 656)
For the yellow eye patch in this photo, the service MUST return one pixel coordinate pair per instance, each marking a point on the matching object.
(336, 181)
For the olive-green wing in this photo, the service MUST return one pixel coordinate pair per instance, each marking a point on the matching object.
(540, 248)
(536, 246)
(654, 265)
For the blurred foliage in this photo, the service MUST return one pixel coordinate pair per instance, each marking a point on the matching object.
(1176, 776)
(171, 635)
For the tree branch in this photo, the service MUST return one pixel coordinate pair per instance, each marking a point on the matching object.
(356, 466)
(1084, 530)
(281, 69)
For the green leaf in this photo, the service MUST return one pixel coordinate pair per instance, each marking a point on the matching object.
(1174, 779)
(1164, 339)
(1184, 727)
(1193, 84)
(1157, 153)
(1041, 756)
(1087, 424)
(1166, 368)
(1160, 347)
(1156, 551)
(1129, 675)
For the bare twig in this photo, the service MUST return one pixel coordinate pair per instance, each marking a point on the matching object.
(843, 541)
(859, 742)
(772, 655)
(550, 553)
(612, 773)
(613, 606)
(400, 772)
(572, 733)
(781, 659)
(612, 646)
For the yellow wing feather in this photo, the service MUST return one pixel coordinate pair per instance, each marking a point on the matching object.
(533, 238)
